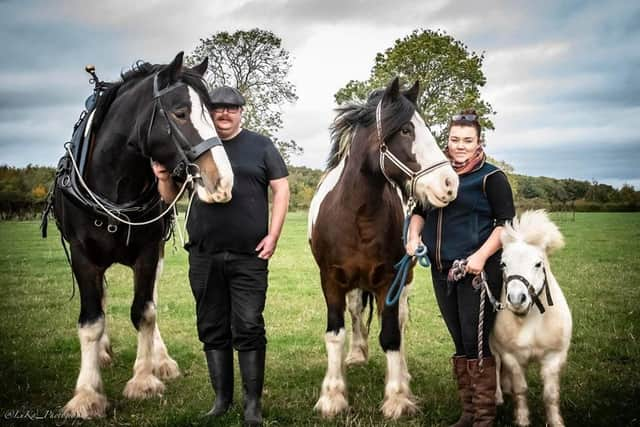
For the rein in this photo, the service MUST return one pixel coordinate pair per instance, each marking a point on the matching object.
(114, 213)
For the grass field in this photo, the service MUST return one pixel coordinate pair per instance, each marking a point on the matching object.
(39, 350)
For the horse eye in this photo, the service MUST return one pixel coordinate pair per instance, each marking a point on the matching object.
(405, 131)
(538, 264)
(180, 114)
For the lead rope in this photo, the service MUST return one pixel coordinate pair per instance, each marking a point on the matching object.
(479, 282)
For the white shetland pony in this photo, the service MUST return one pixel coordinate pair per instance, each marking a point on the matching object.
(536, 325)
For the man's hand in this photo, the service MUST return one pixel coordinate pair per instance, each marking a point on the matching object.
(267, 247)
(413, 244)
(160, 172)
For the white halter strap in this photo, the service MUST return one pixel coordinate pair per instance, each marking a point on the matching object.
(386, 154)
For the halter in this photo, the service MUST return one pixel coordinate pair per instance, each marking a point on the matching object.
(535, 296)
(189, 155)
(385, 153)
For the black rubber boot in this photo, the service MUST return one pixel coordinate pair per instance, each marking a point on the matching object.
(252, 371)
(220, 363)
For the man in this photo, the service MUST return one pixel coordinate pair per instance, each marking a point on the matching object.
(229, 248)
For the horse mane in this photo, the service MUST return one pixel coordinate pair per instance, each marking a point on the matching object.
(354, 115)
(137, 72)
(534, 228)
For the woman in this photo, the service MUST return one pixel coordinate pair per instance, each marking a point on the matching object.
(467, 229)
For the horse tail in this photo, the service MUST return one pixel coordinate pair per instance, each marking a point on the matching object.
(367, 298)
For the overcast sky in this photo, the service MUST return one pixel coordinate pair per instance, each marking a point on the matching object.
(563, 76)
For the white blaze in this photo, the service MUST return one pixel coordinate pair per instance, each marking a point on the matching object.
(200, 117)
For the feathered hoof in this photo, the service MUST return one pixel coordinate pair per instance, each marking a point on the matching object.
(86, 403)
(356, 357)
(105, 358)
(143, 387)
(522, 420)
(166, 369)
(331, 404)
(397, 405)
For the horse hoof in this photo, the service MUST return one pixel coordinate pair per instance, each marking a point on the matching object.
(143, 387)
(104, 358)
(86, 404)
(522, 421)
(396, 406)
(356, 357)
(330, 405)
(167, 369)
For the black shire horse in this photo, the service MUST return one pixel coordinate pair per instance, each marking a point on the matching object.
(155, 112)
(382, 152)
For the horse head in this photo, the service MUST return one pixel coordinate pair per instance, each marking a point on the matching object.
(526, 244)
(176, 130)
(407, 153)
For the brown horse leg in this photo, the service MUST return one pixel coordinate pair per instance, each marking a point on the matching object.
(89, 400)
(398, 399)
(333, 398)
(144, 383)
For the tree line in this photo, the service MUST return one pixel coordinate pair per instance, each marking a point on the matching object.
(23, 192)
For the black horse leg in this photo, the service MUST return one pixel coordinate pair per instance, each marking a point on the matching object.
(144, 383)
(89, 400)
(398, 399)
(333, 398)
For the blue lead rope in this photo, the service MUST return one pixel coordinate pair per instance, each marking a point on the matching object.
(403, 266)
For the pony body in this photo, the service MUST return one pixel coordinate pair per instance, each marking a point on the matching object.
(522, 333)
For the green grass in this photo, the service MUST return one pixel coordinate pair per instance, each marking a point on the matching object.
(39, 349)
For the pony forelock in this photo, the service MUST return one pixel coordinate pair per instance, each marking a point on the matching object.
(534, 228)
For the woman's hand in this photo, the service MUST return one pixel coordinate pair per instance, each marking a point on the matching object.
(412, 245)
(475, 263)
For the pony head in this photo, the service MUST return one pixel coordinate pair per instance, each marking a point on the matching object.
(526, 243)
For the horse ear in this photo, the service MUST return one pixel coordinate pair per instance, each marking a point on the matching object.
(171, 72)
(412, 94)
(392, 92)
(201, 68)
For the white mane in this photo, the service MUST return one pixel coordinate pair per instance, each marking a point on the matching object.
(534, 228)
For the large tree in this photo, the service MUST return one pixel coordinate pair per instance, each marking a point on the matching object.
(450, 78)
(257, 65)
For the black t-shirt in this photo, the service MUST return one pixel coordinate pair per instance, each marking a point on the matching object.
(240, 224)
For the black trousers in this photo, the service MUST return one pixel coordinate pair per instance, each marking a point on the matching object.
(460, 305)
(230, 290)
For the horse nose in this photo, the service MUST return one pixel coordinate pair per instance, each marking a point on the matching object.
(516, 298)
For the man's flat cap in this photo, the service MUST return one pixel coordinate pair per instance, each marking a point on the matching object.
(226, 95)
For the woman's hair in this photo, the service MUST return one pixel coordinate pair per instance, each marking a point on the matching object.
(467, 117)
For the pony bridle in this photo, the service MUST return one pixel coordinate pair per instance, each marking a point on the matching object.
(535, 296)
(385, 154)
(188, 156)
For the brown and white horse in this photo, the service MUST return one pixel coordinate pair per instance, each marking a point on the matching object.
(381, 152)
(524, 332)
